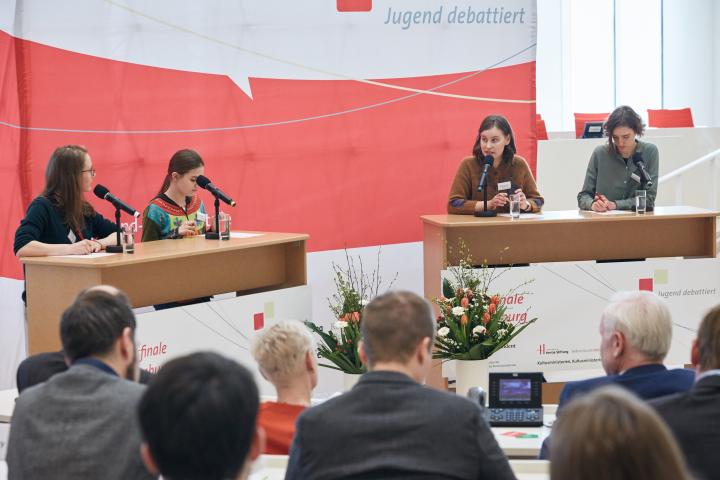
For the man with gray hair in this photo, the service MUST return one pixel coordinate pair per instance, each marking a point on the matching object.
(389, 425)
(635, 332)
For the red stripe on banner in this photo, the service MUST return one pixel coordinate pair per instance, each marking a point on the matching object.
(645, 284)
(354, 5)
(352, 164)
(258, 321)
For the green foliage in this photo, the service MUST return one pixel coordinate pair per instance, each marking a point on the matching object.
(354, 288)
(472, 324)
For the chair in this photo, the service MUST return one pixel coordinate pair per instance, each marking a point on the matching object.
(540, 127)
(667, 118)
(582, 118)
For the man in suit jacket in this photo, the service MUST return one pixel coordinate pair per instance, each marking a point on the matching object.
(635, 331)
(81, 423)
(390, 425)
(694, 416)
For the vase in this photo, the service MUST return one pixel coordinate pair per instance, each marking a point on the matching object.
(349, 380)
(471, 373)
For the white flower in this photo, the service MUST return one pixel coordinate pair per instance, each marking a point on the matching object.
(479, 330)
(364, 302)
(501, 333)
(339, 325)
(443, 332)
(457, 311)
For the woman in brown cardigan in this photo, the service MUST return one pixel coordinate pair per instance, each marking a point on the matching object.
(509, 173)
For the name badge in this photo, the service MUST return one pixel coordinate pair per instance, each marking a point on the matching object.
(635, 177)
(504, 186)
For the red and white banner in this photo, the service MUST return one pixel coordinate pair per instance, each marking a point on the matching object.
(344, 119)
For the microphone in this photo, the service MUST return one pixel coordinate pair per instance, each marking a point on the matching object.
(486, 168)
(205, 183)
(104, 193)
(638, 161)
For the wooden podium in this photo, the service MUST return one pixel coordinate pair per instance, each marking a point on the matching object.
(160, 272)
(563, 236)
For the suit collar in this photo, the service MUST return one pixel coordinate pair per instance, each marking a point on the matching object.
(643, 370)
(707, 384)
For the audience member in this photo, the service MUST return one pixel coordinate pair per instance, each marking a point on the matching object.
(40, 367)
(635, 331)
(198, 419)
(694, 417)
(81, 423)
(610, 433)
(389, 425)
(286, 358)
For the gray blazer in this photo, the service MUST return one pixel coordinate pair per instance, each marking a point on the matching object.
(388, 426)
(694, 418)
(80, 424)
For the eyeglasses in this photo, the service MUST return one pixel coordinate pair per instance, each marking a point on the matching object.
(92, 172)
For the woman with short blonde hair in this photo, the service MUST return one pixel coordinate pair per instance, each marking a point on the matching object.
(285, 353)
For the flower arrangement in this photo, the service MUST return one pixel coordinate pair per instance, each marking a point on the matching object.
(472, 324)
(354, 289)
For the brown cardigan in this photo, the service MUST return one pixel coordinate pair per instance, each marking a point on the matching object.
(467, 178)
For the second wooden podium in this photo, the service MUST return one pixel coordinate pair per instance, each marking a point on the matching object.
(160, 272)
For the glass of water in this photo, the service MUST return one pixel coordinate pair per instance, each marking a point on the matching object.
(515, 205)
(640, 201)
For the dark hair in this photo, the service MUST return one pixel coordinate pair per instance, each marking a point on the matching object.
(622, 116)
(63, 185)
(500, 122)
(708, 340)
(95, 320)
(393, 324)
(198, 417)
(181, 162)
(610, 433)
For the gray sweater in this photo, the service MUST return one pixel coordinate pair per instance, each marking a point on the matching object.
(611, 175)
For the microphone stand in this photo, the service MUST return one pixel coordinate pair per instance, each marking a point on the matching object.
(485, 212)
(116, 248)
(215, 235)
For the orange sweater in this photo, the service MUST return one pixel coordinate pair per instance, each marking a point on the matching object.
(464, 195)
(278, 420)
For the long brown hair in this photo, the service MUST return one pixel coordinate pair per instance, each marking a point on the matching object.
(182, 162)
(610, 433)
(63, 185)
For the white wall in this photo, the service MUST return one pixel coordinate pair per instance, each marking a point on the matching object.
(690, 58)
(577, 52)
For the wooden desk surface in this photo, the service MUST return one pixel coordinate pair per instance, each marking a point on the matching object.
(169, 249)
(567, 216)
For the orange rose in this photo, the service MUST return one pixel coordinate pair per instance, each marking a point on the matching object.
(345, 317)
(355, 317)
(492, 308)
(464, 320)
(495, 299)
(469, 295)
(464, 302)
(486, 318)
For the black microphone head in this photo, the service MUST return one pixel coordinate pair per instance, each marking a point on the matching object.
(203, 181)
(637, 157)
(100, 191)
(489, 159)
